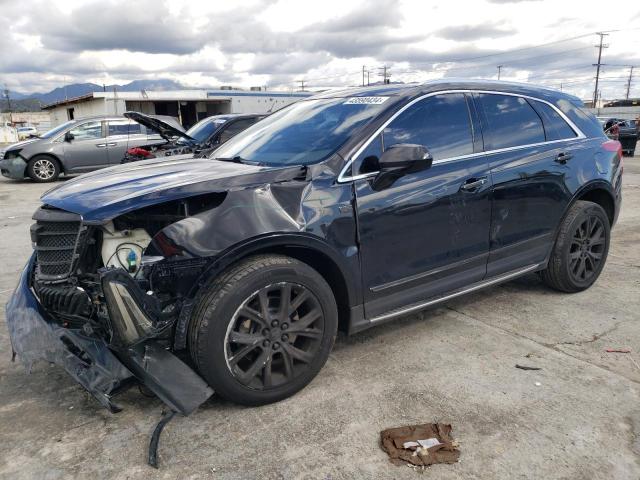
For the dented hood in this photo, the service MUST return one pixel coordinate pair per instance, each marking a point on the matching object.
(104, 194)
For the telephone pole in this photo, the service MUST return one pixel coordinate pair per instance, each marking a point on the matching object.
(597, 65)
(499, 70)
(363, 70)
(385, 74)
(631, 67)
(301, 82)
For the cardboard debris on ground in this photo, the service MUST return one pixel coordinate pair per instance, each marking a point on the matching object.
(443, 449)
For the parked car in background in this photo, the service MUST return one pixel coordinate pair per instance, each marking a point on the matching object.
(76, 146)
(26, 132)
(205, 136)
(344, 210)
(625, 131)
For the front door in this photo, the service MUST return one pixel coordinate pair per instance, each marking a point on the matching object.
(87, 150)
(427, 233)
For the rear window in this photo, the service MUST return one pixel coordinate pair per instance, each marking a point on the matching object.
(555, 127)
(511, 120)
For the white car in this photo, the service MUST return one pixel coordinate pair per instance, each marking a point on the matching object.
(26, 132)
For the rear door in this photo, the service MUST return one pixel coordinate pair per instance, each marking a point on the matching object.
(123, 134)
(428, 232)
(529, 148)
(88, 148)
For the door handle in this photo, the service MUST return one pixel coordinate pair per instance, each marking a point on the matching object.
(112, 144)
(101, 145)
(473, 184)
(562, 157)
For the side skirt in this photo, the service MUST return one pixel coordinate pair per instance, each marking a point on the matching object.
(363, 325)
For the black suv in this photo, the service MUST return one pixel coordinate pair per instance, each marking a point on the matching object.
(341, 211)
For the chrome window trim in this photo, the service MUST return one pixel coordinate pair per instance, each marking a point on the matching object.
(342, 178)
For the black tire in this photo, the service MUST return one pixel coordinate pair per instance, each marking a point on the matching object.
(43, 168)
(581, 248)
(251, 373)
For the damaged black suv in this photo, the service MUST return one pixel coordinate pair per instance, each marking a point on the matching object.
(234, 273)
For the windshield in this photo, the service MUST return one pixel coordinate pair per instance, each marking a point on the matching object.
(54, 131)
(303, 133)
(202, 130)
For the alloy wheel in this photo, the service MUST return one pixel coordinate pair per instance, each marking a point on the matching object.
(274, 336)
(44, 169)
(587, 249)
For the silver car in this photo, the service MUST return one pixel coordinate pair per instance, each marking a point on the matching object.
(76, 146)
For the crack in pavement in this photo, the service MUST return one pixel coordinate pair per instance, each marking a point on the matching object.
(595, 337)
(551, 346)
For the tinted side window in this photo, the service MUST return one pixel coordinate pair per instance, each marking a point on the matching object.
(441, 123)
(555, 127)
(235, 128)
(124, 127)
(511, 120)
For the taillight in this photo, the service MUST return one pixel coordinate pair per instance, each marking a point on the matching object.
(614, 146)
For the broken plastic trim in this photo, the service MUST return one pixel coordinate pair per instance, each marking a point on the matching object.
(155, 437)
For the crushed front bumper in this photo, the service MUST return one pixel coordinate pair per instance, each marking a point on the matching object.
(13, 168)
(35, 335)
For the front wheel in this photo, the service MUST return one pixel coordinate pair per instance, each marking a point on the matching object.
(581, 248)
(264, 329)
(43, 168)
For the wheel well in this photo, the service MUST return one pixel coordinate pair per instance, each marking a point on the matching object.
(51, 156)
(602, 198)
(326, 267)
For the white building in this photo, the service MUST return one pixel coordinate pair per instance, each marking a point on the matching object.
(188, 106)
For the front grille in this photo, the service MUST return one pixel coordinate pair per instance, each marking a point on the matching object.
(55, 235)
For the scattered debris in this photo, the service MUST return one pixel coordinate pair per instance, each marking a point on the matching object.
(524, 367)
(538, 384)
(155, 438)
(420, 445)
(618, 350)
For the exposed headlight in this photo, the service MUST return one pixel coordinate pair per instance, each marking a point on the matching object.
(7, 154)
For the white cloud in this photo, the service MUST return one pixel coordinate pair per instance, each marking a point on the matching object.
(277, 42)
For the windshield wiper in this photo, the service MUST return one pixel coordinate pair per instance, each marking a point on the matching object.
(236, 159)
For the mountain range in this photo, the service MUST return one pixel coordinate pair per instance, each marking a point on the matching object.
(33, 101)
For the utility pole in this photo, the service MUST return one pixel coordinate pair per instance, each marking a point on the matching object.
(368, 82)
(363, 70)
(385, 74)
(301, 82)
(631, 67)
(499, 70)
(597, 65)
(6, 94)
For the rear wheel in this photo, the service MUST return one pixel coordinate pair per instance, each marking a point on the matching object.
(581, 248)
(43, 168)
(264, 329)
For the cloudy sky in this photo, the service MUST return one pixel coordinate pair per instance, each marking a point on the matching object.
(326, 43)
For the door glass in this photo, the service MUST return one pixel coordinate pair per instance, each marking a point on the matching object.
(512, 121)
(87, 131)
(124, 127)
(440, 123)
(555, 127)
(235, 128)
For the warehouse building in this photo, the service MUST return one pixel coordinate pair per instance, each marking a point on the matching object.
(188, 106)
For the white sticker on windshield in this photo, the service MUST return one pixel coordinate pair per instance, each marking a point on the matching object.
(366, 100)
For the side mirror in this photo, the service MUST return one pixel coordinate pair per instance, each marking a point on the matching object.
(68, 137)
(399, 160)
(406, 158)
